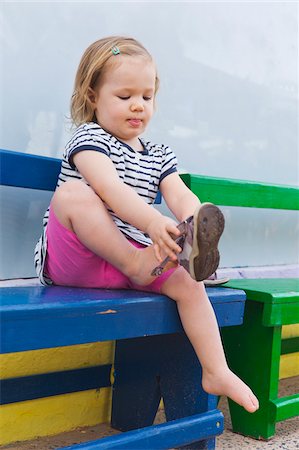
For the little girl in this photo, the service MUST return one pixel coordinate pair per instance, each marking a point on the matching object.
(101, 230)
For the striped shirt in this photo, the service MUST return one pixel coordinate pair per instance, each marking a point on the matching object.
(143, 171)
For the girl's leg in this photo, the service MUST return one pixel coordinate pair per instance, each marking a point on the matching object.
(80, 210)
(201, 327)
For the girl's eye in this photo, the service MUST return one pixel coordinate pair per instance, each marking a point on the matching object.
(126, 97)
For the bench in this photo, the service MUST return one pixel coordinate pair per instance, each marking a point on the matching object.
(254, 348)
(153, 358)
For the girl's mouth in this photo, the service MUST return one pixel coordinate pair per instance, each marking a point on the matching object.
(135, 123)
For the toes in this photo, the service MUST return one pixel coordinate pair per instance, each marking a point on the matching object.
(253, 405)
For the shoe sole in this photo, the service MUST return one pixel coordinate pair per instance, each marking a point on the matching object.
(208, 228)
(217, 282)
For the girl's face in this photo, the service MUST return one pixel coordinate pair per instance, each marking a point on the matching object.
(124, 100)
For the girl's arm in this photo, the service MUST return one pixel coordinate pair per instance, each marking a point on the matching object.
(178, 197)
(99, 171)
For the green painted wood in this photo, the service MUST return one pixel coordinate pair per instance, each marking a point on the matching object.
(269, 290)
(290, 345)
(253, 349)
(253, 352)
(231, 192)
(280, 314)
(279, 295)
(286, 407)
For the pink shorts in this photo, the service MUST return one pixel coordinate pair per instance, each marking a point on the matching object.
(70, 263)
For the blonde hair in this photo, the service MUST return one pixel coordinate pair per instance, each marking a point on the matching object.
(91, 69)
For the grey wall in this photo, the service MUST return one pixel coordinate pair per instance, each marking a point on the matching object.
(228, 103)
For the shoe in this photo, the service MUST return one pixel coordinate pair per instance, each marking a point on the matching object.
(184, 228)
(199, 238)
(214, 281)
(200, 255)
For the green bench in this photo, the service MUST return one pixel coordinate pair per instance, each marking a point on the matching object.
(254, 348)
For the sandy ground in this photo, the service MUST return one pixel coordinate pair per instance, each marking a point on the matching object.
(286, 438)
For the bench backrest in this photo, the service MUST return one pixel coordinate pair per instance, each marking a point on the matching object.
(21, 215)
(267, 236)
(31, 171)
(40, 172)
(230, 192)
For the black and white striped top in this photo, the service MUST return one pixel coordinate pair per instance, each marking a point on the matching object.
(143, 171)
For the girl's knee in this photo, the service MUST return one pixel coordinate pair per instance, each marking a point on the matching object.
(72, 193)
(182, 288)
(69, 198)
(72, 189)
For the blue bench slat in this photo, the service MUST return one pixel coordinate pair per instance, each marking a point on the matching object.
(161, 437)
(44, 317)
(19, 298)
(20, 389)
(28, 171)
(24, 170)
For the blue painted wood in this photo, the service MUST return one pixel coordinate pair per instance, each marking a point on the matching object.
(35, 317)
(153, 368)
(28, 171)
(161, 437)
(137, 369)
(21, 389)
(32, 171)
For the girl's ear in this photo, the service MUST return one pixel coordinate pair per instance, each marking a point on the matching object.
(91, 96)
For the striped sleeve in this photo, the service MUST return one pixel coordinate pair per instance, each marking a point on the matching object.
(169, 163)
(87, 137)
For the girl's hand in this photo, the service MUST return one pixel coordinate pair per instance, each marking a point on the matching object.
(160, 231)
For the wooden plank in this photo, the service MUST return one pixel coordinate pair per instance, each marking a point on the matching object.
(269, 290)
(280, 314)
(39, 172)
(280, 297)
(20, 389)
(151, 369)
(24, 170)
(28, 171)
(253, 352)
(289, 365)
(47, 416)
(233, 192)
(161, 437)
(44, 317)
(286, 407)
(290, 345)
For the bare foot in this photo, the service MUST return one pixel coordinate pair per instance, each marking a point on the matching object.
(143, 262)
(227, 383)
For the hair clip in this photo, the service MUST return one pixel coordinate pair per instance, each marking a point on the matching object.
(115, 50)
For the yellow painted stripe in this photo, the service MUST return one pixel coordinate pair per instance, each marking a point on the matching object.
(289, 331)
(52, 415)
(289, 365)
(56, 359)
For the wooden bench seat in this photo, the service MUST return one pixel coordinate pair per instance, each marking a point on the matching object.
(219, 191)
(254, 348)
(45, 317)
(153, 358)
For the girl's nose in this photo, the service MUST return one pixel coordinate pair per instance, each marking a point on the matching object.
(137, 106)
